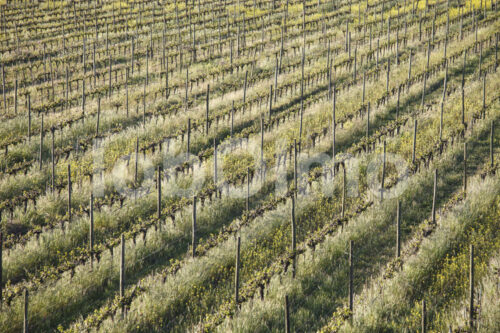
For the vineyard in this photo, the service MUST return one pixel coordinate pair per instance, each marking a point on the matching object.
(250, 166)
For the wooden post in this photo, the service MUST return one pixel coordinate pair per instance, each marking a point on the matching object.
(3, 89)
(231, 53)
(245, 90)
(194, 44)
(67, 88)
(424, 317)
(445, 82)
(496, 48)
(15, 96)
(52, 157)
(329, 72)
(262, 141)
(461, 24)
(389, 30)
(215, 166)
(237, 273)
(282, 41)
(397, 47)
(428, 55)
(397, 106)
(41, 144)
(484, 95)
(147, 66)
(126, 91)
(25, 324)
(69, 192)
(294, 246)
(275, 81)
(354, 73)
(98, 115)
(463, 89)
(248, 190)
(143, 106)
(398, 229)
(388, 74)
(270, 101)
(409, 66)
(187, 85)
(93, 61)
(83, 102)
(29, 118)
(349, 46)
(207, 110)
(287, 315)
(414, 141)
(188, 137)
(110, 70)
(370, 37)
(420, 29)
(383, 173)
(193, 235)
(136, 159)
(471, 288)
(159, 195)
(465, 167)
(122, 271)
(351, 271)
(441, 122)
(346, 34)
(91, 228)
(368, 121)
(295, 183)
(434, 194)
(166, 79)
(344, 184)
(364, 84)
(301, 97)
(334, 128)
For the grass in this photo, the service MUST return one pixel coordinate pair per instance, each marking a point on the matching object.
(74, 288)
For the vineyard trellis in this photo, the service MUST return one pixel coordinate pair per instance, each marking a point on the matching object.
(249, 165)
